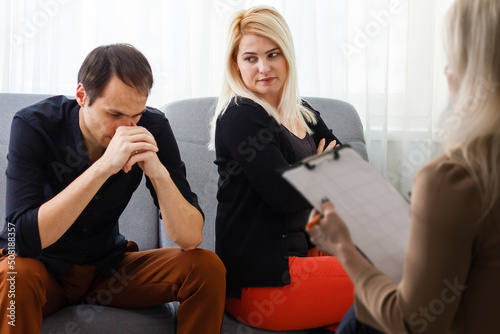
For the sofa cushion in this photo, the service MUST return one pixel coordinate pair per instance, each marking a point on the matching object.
(233, 326)
(97, 319)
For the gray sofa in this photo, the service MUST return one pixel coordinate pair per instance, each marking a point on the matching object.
(189, 120)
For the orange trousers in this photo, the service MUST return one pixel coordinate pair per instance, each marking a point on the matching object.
(319, 295)
(195, 278)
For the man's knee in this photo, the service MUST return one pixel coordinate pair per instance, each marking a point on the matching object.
(206, 260)
(207, 265)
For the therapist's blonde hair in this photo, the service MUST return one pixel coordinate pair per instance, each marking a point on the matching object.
(264, 21)
(472, 130)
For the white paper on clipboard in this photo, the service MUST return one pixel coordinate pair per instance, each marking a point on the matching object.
(377, 215)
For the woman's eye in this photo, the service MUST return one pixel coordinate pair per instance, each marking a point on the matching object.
(273, 55)
(250, 59)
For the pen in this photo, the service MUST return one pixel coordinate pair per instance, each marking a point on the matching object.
(314, 221)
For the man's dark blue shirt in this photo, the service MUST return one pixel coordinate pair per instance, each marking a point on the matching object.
(46, 154)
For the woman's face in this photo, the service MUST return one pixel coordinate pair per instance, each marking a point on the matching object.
(263, 67)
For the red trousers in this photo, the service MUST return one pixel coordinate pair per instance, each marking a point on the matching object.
(195, 278)
(319, 295)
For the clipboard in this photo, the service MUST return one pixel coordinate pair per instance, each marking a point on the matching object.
(377, 215)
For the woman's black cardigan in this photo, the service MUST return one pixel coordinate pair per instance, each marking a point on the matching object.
(253, 199)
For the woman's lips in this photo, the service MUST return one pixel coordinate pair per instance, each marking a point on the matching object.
(267, 80)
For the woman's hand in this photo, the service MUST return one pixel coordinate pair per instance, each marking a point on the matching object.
(321, 145)
(331, 232)
(332, 236)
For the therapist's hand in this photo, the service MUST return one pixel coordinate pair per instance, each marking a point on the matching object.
(331, 233)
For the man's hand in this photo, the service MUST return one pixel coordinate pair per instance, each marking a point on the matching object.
(129, 145)
(149, 163)
(135, 145)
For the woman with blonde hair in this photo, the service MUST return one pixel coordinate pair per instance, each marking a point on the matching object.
(452, 268)
(276, 279)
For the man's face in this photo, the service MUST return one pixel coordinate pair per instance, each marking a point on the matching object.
(119, 105)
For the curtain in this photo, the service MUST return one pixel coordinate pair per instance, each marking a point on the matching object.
(385, 57)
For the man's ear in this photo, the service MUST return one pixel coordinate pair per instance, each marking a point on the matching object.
(81, 95)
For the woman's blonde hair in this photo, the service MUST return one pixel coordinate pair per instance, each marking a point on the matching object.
(472, 133)
(267, 22)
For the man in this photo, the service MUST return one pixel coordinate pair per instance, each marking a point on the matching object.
(65, 219)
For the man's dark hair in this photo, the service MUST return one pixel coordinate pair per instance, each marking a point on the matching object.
(122, 60)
